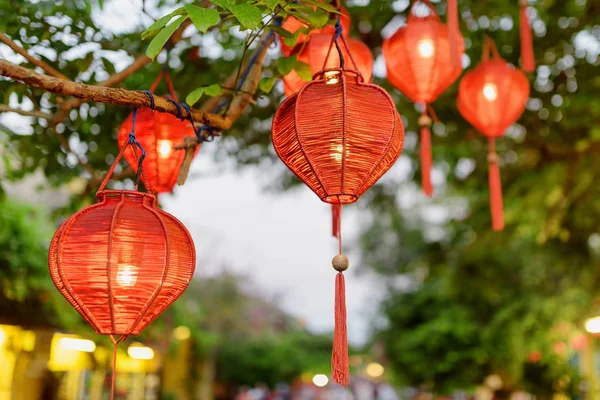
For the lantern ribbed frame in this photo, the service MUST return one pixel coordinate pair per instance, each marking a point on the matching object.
(153, 130)
(292, 24)
(315, 55)
(338, 138)
(509, 84)
(121, 262)
(422, 79)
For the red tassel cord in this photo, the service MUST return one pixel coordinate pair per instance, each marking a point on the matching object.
(527, 59)
(453, 28)
(425, 124)
(496, 206)
(335, 219)
(340, 370)
(339, 358)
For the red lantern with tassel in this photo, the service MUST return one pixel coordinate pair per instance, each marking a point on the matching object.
(158, 133)
(423, 60)
(122, 261)
(492, 97)
(339, 135)
(292, 24)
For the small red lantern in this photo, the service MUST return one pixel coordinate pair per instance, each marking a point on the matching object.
(339, 135)
(158, 133)
(122, 261)
(317, 53)
(423, 60)
(492, 97)
(292, 24)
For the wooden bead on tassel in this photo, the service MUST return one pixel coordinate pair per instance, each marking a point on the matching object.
(340, 263)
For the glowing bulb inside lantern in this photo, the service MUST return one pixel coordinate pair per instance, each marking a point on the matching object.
(332, 77)
(490, 92)
(127, 275)
(164, 148)
(337, 150)
(425, 48)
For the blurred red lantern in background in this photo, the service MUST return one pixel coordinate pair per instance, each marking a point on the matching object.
(158, 133)
(339, 135)
(292, 24)
(423, 60)
(318, 55)
(492, 97)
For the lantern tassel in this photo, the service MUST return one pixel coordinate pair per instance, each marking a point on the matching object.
(453, 28)
(425, 152)
(495, 184)
(527, 59)
(339, 359)
(335, 219)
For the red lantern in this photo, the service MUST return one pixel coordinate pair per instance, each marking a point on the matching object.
(158, 133)
(292, 24)
(421, 64)
(492, 97)
(339, 135)
(122, 261)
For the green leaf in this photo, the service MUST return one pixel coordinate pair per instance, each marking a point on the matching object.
(291, 41)
(272, 3)
(319, 18)
(266, 84)
(322, 5)
(223, 3)
(159, 40)
(153, 29)
(213, 90)
(280, 31)
(248, 15)
(303, 70)
(194, 96)
(285, 65)
(203, 18)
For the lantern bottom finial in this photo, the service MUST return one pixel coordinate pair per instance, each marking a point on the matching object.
(340, 263)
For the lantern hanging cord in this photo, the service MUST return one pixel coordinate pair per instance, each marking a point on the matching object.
(133, 141)
(338, 33)
(114, 363)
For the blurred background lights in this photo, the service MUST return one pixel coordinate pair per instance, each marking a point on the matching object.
(320, 380)
(140, 352)
(375, 370)
(182, 333)
(592, 325)
(77, 344)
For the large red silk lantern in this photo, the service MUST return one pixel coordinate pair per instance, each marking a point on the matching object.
(317, 53)
(158, 133)
(339, 135)
(423, 60)
(492, 97)
(122, 261)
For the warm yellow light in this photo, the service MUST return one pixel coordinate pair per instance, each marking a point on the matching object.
(182, 333)
(320, 380)
(592, 325)
(127, 275)
(375, 370)
(336, 152)
(140, 352)
(332, 77)
(425, 48)
(490, 91)
(2, 337)
(77, 344)
(164, 148)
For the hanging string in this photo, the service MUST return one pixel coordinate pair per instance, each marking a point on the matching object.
(339, 29)
(527, 58)
(114, 364)
(134, 142)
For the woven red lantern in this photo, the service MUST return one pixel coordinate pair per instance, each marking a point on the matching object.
(122, 261)
(339, 135)
(317, 53)
(158, 133)
(423, 60)
(292, 24)
(492, 97)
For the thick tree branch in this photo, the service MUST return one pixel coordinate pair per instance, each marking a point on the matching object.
(129, 98)
(37, 114)
(38, 63)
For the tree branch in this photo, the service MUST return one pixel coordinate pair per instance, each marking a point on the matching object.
(129, 98)
(38, 63)
(37, 114)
